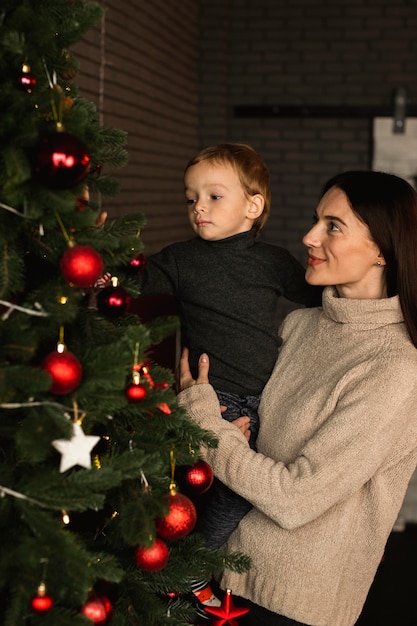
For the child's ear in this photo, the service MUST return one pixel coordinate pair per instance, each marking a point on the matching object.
(256, 206)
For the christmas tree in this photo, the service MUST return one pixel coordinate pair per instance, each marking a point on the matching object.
(96, 526)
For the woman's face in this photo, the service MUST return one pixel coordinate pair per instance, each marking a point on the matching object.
(341, 251)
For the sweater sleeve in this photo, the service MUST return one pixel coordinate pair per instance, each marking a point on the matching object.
(161, 274)
(371, 425)
(295, 287)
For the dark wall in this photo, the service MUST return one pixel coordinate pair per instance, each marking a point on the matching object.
(310, 75)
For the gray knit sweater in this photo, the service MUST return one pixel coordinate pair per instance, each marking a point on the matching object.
(336, 449)
(228, 293)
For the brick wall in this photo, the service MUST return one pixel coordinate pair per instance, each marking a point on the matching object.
(309, 53)
(140, 67)
(170, 74)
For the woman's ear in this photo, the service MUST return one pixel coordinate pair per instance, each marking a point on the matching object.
(256, 206)
(381, 261)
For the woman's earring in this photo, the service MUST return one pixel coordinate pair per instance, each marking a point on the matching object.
(378, 263)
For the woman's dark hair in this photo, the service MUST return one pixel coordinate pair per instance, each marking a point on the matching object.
(387, 204)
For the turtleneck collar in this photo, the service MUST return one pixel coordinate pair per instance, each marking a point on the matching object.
(237, 242)
(362, 313)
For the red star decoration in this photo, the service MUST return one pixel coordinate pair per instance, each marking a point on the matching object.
(226, 612)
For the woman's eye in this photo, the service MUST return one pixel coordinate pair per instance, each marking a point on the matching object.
(333, 226)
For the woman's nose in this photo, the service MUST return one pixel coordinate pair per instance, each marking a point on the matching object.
(312, 238)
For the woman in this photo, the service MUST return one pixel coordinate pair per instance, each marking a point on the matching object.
(338, 437)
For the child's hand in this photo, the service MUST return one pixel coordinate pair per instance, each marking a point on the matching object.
(101, 219)
(243, 424)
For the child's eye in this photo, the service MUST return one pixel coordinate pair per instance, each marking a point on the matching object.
(215, 197)
(190, 201)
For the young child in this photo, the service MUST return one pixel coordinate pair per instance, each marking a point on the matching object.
(228, 284)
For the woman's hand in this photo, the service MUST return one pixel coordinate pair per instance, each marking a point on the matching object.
(184, 377)
(185, 380)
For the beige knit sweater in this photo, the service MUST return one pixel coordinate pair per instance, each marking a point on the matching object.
(336, 449)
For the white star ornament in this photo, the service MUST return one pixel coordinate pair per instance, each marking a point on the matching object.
(77, 450)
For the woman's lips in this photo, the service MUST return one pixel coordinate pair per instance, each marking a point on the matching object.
(313, 260)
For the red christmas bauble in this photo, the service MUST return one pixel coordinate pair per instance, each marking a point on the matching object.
(41, 603)
(65, 371)
(136, 392)
(198, 477)
(112, 301)
(137, 264)
(180, 519)
(81, 266)
(61, 161)
(152, 558)
(26, 80)
(98, 609)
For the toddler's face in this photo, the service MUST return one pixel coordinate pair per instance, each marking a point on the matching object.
(217, 204)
